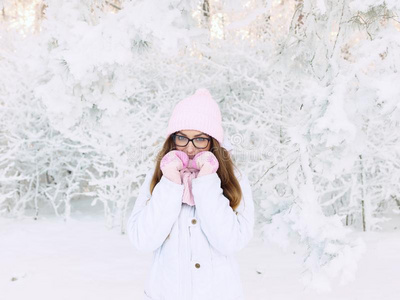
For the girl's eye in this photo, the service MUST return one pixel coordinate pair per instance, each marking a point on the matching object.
(181, 137)
(200, 139)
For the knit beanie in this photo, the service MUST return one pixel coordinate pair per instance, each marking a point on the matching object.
(198, 112)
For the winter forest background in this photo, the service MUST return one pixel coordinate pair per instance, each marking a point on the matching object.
(309, 92)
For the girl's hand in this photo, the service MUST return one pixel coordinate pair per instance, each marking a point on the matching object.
(206, 162)
(172, 163)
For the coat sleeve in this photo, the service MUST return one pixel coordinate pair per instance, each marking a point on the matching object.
(153, 215)
(227, 231)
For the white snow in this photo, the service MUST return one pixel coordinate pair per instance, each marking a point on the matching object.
(81, 259)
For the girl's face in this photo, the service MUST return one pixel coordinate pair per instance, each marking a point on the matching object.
(190, 149)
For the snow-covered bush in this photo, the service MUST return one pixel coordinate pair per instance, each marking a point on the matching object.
(334, 169)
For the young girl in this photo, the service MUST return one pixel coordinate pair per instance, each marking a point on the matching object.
(194, 211)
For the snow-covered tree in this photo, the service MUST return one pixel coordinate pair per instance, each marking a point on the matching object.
(333, 173)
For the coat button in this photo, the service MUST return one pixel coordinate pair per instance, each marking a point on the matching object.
(194, 221)
(197, 265)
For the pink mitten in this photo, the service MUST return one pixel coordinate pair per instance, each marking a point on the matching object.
(172, 163)
(206, 162)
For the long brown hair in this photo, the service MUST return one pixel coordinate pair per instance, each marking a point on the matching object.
(229, 183)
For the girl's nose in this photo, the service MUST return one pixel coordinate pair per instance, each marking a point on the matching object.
(190, 148)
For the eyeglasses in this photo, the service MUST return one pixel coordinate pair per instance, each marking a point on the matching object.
(183, 141)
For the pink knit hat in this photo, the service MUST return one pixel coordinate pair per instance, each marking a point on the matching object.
(197, 112)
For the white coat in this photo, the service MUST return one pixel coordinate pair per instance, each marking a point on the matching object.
(193, 246)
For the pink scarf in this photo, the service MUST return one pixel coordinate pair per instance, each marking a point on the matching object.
(187, 175)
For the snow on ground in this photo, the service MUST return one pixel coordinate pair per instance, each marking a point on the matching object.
(82, 260)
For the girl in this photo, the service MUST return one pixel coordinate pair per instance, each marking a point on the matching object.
(194, 211)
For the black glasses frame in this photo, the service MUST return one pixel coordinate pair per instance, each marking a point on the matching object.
(190, 140)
